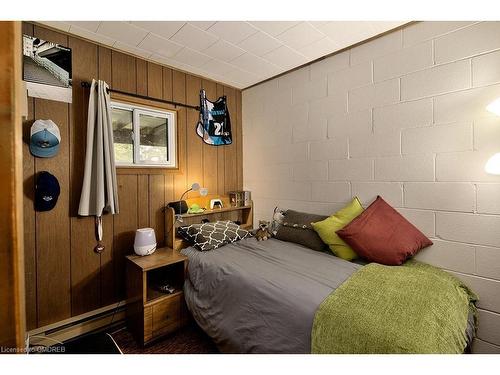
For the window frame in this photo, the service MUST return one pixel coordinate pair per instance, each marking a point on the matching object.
(137, 110)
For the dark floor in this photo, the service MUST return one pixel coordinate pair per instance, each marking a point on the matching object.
(188, 340)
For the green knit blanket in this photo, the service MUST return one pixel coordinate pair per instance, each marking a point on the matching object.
(413, 308)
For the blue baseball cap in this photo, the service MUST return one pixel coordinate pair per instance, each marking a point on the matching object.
(47, 191)
(45, 138)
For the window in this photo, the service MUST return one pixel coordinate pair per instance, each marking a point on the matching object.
(142, 136)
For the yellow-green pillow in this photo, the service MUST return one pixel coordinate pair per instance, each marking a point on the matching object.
(326, 229)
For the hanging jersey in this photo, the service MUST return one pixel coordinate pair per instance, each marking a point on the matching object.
(214, 126)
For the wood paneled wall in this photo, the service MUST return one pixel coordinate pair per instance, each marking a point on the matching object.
(64, 277)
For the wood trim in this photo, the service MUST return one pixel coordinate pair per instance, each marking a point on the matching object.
(12, 299)
(29, 216)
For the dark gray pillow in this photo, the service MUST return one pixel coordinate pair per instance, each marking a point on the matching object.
(210, 236)
(297, 228)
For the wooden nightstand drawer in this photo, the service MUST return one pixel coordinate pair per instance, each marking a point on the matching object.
(167, 315)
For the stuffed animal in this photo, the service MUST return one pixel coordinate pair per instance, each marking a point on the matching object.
(263, 233)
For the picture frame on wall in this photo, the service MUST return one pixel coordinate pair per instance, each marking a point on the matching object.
(47, 69)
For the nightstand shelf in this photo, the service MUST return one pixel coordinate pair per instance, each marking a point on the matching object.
(152, 313)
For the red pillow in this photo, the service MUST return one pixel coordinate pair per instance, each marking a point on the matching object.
(381, 234)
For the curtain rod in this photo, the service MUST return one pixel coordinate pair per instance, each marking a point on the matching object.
(177, 104)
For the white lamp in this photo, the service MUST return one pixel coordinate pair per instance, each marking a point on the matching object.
(493, 164)
(494, 107)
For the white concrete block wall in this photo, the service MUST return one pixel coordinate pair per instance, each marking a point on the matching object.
(402, 116)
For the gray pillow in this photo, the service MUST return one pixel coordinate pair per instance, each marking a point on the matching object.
(296, 227)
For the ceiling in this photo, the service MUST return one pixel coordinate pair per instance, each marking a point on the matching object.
(237, 53)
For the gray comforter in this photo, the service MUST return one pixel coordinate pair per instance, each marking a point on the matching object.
(261, 297)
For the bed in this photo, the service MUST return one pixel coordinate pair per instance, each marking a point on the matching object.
(262, 297)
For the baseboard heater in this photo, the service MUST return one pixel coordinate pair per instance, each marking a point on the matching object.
(108, 317)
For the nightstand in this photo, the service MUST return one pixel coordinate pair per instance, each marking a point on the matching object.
(152, 313)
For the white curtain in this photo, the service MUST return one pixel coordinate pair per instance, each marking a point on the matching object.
(99, 191)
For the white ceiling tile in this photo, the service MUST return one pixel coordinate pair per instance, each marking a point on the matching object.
(167, 61)
(59, 25)
(191, 57)
(194, 38)
(160, 46)
(204, 25)
(84, 33)
(347, 32)
(300, 35)
(223, 50)
(87, 25)
(132, 49)
(318, 23)
(259, 44)
(217, 67)
(285, 57)
(379, 27)
(122, 31)
(255, 64)
(274, 28)
(319, 48)
(241, 76)
(165, 29)
(232, 31)
(246, 82)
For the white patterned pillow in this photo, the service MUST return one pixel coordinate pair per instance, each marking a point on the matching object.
(210, 236)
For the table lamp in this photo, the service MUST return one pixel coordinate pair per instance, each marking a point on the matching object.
(180, 207)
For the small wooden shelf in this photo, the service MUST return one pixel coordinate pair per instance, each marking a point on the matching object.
(241, 214)
(150, 312)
